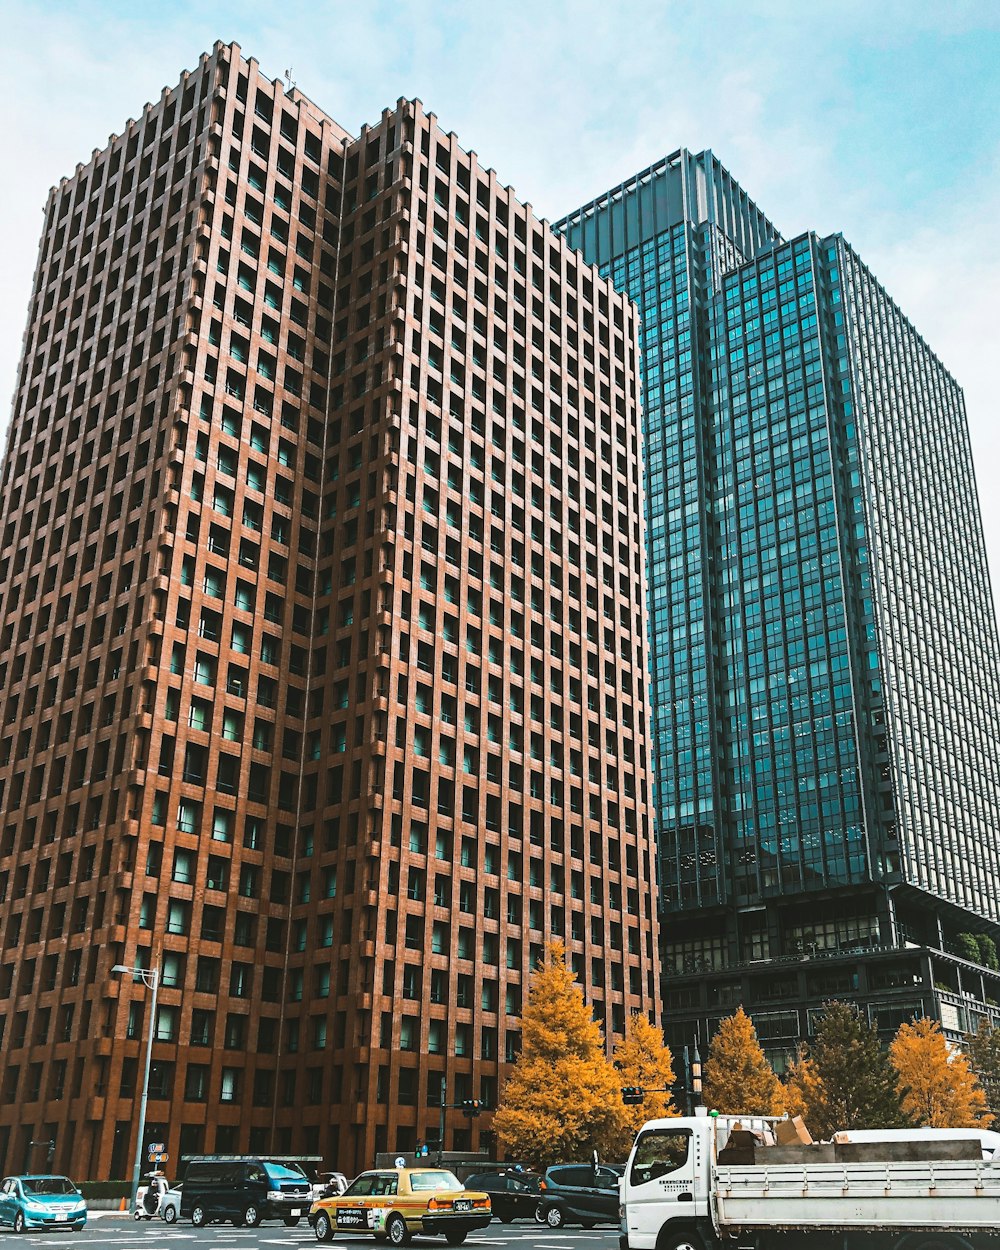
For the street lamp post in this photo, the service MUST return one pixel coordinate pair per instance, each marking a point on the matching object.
(150, 977)
(696, 1076)
(692, 1079)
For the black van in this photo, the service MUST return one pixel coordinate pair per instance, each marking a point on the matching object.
(245, 1189)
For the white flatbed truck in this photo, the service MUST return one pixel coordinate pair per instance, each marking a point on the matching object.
(677, 1196)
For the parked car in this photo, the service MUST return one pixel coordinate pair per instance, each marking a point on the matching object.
(329, 1185)
(396, 1203)
(579, 1193)
(244, 1189)
(514, 1195)
(41, 1202)
(170, 1206)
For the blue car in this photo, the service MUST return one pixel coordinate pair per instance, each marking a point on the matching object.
(41, 1202)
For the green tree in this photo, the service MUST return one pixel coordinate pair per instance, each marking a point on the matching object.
(563, 1098)
(847, 1081)
(937, 1087)
(983, 1049)
(643, 1058)
(968, 947)
(988, 952)
(738, 1080)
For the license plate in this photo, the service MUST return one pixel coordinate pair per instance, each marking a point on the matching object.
(351, 1219)
(295, 1211)
(463, 1204)
(62, 1217)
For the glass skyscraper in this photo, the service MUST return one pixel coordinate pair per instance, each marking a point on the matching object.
(823, 639)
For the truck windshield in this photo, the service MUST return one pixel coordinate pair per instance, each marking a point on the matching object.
(657, 1152)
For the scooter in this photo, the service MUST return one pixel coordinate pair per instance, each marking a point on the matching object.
(148, 1206)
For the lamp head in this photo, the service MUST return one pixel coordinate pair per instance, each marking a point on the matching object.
(121, 968)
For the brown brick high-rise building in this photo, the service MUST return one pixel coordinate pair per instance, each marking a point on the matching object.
(322, 637)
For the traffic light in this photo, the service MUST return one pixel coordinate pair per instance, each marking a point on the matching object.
(471, 1107)
(633, 1095)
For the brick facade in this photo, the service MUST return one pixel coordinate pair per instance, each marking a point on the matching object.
(322, 638)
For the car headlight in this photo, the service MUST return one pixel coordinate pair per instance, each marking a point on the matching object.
(274, 1195)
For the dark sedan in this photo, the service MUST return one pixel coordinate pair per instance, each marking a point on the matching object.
(514, 1195)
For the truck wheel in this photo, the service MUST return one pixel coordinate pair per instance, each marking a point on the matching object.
(935, 1241)
(251, 1216)
(199, 1217)
(680, 1241)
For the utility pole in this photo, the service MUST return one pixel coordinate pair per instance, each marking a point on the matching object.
(444, 1107)
(150, 977)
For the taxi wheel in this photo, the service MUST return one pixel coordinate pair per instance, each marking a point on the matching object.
(323, 1228)
(170, 1215)
(396, 1231)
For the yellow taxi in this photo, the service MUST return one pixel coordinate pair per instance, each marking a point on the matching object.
(395, 1203)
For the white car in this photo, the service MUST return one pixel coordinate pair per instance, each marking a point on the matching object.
(170, 1207)
(329, 1185)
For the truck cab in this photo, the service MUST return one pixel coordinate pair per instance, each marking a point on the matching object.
(667, 1180)
(707, 1182)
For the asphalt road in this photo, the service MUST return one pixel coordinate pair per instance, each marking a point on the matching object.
(116, 1233)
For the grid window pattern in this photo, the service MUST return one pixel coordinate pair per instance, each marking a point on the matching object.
(323, 654)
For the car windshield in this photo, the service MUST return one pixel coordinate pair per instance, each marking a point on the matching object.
(278, 1172)
(433, 1180)
(43, 1186)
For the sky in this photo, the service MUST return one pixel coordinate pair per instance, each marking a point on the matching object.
(880, 119)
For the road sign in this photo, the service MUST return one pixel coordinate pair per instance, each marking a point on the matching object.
(400, 1161)
(155, 1147)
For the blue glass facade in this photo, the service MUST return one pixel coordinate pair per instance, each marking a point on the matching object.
(823, 644)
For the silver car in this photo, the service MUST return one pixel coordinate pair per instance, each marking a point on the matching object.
(170, 1205)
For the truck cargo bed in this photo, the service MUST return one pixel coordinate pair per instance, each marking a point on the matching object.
(950, 1194)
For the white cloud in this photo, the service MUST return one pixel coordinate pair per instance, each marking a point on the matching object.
(565, 99)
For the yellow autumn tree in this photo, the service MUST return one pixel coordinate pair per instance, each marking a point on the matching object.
(738, 1080)
(805, 1093)
(644, 1059)
(936, 1084)
(562, 1100)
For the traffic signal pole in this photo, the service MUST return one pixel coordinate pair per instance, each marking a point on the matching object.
(444, 1108)
(469, 1106)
